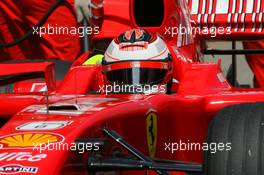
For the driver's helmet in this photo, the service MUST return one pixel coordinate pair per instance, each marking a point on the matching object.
(137, 58)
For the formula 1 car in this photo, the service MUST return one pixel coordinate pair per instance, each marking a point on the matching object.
(199, 125)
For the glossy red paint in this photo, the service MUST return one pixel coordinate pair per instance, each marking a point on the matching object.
(76, 111)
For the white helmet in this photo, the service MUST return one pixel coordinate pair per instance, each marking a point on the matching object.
(137, 57)
(138, 45)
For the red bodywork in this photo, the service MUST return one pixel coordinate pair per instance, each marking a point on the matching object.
(182, 116)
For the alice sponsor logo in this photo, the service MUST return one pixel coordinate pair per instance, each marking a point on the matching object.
(21, 156)
(16, 168)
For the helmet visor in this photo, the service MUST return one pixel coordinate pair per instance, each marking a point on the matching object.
(136, 76)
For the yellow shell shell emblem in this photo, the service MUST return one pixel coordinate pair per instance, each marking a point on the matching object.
(151, 127)
(29, 139)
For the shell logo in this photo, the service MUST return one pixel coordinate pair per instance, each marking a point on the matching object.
(29, 139)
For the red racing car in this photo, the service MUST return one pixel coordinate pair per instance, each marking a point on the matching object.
(141, 101)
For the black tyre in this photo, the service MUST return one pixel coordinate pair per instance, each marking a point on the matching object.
(241, 126)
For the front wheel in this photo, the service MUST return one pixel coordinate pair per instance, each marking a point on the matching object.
(242, 126)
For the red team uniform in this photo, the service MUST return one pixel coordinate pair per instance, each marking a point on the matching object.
(256, 62)
(17, 17)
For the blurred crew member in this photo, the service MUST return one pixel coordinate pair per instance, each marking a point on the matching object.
(256, 62)
(61, 38)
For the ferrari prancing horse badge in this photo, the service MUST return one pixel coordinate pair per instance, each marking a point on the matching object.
(151, 122)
